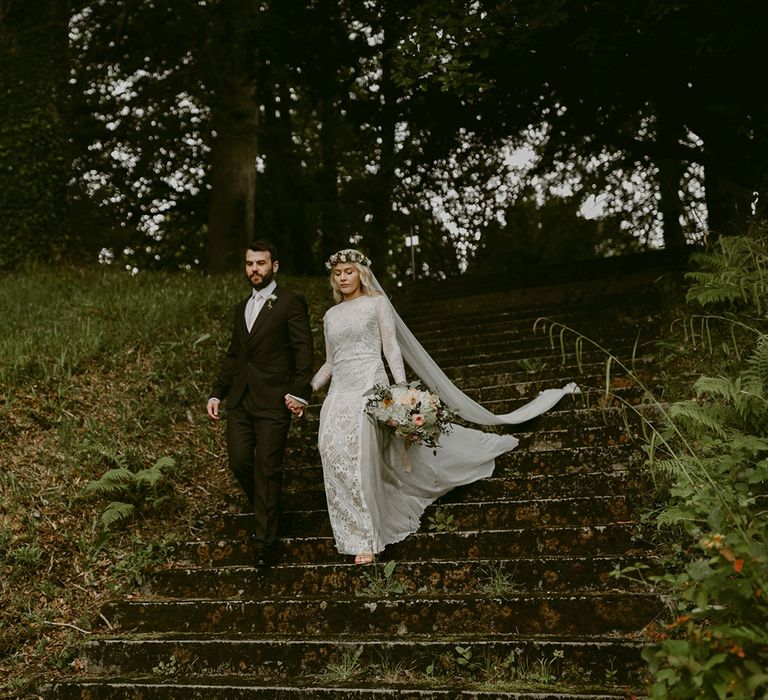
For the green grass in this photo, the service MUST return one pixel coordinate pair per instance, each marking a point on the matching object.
(99, 370)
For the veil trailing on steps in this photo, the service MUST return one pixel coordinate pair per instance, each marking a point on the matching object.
(432, 376)
(402, 480)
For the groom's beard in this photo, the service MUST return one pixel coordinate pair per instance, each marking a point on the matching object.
(258, 282)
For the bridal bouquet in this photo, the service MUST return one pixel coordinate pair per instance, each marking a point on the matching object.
(410, 412)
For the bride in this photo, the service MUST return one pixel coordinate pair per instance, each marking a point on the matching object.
(373, 498)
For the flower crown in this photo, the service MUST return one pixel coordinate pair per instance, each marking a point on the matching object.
(347, 256)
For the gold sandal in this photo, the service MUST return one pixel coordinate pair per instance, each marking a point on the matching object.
(364, 559)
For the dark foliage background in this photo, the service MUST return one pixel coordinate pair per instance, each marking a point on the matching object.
(165, 135)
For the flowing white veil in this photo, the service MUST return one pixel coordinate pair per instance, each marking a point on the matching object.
(433, 377)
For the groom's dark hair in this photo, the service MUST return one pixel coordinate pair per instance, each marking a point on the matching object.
(264, 245)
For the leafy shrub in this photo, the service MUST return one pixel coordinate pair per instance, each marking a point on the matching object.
(713, 453)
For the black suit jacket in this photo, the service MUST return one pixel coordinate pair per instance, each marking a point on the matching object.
(274, 359)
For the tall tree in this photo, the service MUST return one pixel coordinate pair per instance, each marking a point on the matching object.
(235, 112)
(34, 149)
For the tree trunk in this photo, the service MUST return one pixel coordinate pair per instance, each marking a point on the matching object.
(329, 218)
(235, 113)
(729, 206)
(378, 243)
(34, 148)
(670, 172)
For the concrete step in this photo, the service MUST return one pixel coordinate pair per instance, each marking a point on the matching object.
(570, 416)
(551, 375)
(531, 440)
(479, 314)
(286, 658)
(464, 577)
(566, 613)
(536, 351)
(505, 487)
(598, 539)
(496, 514)
(518, 463)
(247, 689)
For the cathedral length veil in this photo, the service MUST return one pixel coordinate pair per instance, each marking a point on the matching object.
(396, 494)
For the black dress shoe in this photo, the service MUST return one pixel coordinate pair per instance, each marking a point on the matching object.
(264, 558)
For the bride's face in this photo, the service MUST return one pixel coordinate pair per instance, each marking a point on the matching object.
(347, 280)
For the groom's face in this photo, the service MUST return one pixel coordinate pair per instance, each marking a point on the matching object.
(259, 268)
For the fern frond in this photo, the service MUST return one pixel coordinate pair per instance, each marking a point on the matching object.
(149, 477)
(114, 457)
(751, 444)
(113, 482)
(165, 463)
(716, 386)
(758, 363)
(116, 512)
(702, 416)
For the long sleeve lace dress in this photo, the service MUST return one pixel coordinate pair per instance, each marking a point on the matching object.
(373, 499)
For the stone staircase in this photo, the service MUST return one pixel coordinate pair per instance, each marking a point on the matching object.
(505, 592)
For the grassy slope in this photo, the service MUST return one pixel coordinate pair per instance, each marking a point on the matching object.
(97, 369)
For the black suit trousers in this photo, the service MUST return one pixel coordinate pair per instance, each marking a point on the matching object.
(255, 444)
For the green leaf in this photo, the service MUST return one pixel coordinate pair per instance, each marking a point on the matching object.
(116, 512)
(112, 482)
(389, 568)
(165, 463)
(149, 477)
(699, 569)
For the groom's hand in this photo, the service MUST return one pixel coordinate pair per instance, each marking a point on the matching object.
(295, 407)
(213, 409)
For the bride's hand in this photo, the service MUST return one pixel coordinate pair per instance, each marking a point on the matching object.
(295, 407)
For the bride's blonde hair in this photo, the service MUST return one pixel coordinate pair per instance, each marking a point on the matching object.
(350, 256)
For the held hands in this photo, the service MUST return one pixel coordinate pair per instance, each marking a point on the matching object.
(213, 409)
(295, 407)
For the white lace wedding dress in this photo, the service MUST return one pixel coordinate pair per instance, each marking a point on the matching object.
(373, 498)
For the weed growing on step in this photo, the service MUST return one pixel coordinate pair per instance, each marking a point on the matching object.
(498, 581)
(441, 521)
(611, 674)
(388, 671)
(515, 671)
(169, 668)
(344, 666)
(532, 366)
(381, 581)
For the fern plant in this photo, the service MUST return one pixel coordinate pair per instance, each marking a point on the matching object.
(134, 490)
(714, 454)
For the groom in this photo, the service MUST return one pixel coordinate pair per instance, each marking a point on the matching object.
(264, 378)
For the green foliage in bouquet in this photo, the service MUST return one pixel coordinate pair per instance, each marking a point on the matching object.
(713, 454)
(409, 412)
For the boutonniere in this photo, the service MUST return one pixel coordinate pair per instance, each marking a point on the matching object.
(271, 299)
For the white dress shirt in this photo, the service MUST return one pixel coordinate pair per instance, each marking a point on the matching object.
(259, 298)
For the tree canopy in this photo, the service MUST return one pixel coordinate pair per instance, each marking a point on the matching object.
(168, 134)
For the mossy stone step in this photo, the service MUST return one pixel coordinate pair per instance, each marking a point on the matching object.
(438, 546)
(566, 613)
(504, 487)
(531, 440)
(244, 689)
(284, 659)
(497, 514)
(467, 317)
(301, 476)
(550, 376)
(446, 577)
